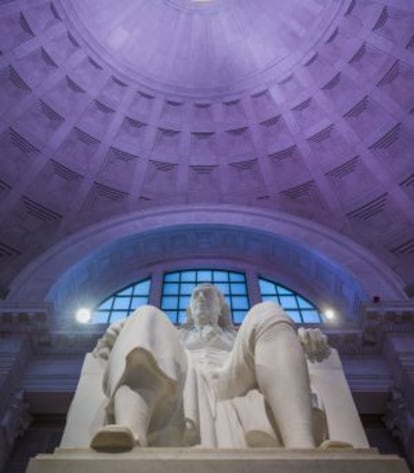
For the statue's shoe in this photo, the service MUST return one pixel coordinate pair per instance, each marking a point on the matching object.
(330, 444)
(259, 439)
(113, 439)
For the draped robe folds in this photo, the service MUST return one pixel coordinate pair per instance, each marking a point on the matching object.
(204, 378)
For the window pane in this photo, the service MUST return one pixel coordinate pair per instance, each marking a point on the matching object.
(304, 304)
(172, 277)
(107, 305)
(137, 301)
(220, 276)
(187, 288)
(283, 290)
(188, 276)
(267, 287)
(270, 298)
(224, 288)
(172, 315)
(118, 314)
(121, 303)
(182, 317)
(237, 277)
(294, 315)
(126, 292)
(171, 288)
(238, 316)
(288, 302)
(184, 302)
(204, 276)
(100, 317)
(227, 300)
(238, 288)
(240, 303)
(311, 316)
(299, 309)
(142, 289)
(169, 302)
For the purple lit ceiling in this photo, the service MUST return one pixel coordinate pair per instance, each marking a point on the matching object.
(220, 46)
(304, 107)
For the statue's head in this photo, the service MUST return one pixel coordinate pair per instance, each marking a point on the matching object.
(208, 307)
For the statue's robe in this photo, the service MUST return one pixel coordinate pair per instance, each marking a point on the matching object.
(195, 405)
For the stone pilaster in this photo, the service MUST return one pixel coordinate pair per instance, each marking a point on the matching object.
(13, 423)
(399, 418)
(14, 355)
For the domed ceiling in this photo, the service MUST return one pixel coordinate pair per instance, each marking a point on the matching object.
(304, 107)
(201, 48)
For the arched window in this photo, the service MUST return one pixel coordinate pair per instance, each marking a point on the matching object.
(299, 309)
(176, 292)
(121, 304)
(177, 288)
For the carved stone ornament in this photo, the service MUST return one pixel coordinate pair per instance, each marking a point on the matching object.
(16, 419)
(399, 419)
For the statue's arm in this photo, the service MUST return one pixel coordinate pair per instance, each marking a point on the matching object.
(106, 342)
(314, 343)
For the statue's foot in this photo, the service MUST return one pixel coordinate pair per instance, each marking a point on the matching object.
(328, 444)
(258, 438)
(113, 439)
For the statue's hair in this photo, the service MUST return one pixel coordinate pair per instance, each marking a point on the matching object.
(224, 320)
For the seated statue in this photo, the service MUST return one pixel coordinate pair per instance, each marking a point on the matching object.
(206, 384)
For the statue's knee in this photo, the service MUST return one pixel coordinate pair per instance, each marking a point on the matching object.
(149, 316)
(148, 311)
(267, 311)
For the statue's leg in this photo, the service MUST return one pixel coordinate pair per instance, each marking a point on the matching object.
(133, 409)
(283, 378)
(267, 355)
(144, 381)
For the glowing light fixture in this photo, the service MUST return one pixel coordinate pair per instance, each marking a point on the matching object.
(330, 314)
(83, 315)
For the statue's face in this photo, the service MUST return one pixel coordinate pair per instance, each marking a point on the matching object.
(205, 305)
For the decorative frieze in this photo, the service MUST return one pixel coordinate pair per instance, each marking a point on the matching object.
(16, 318)
(383, 318)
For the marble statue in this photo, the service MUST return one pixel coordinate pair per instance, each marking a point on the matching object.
(206, 384)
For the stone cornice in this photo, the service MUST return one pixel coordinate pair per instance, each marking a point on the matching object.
(384, 318)
(20, 318)
(378, 320)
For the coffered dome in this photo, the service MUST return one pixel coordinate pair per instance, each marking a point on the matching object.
(291, 106)
(202, 48)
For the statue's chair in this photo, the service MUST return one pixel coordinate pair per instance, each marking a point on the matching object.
(338, 421)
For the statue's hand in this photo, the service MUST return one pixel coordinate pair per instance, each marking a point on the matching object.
(315, 344)
(104, 346)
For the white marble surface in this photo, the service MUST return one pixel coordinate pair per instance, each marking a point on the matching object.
(208, 385)
(87, 409)
(162, 460)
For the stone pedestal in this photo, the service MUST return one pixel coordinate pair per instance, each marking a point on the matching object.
(193, 460)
